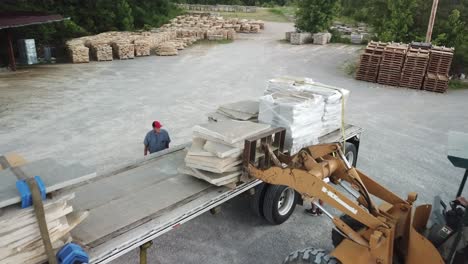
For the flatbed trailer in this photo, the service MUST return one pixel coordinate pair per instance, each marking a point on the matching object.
(137, 203)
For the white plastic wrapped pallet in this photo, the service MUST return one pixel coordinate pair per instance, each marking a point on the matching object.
(303, 126)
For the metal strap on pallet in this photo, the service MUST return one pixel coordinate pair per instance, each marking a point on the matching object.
(38, 208)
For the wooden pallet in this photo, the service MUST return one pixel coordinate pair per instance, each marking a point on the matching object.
(439, 62)
(414, 69)
(393, 59)
(436, 83)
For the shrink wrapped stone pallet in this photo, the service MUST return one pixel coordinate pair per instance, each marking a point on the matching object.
(298, 38)
(306, 109)
(123, 50)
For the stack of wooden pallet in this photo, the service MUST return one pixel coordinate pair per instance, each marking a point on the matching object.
(438, 69)
(393, 58)
(368, 68)
(414, 69)
(215, 154)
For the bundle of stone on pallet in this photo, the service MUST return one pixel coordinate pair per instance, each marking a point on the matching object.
(306, 109)
(216, 152)
(414, 69)
(393, 58)
(299, 38)
(166, 49)
(369, 64)
(101, 52)
(20, 238)
(142, 47)
(123, 50)
(78, 52)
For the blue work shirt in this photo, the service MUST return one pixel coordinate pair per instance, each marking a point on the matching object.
(157, 141)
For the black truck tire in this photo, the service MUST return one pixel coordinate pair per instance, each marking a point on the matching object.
(337, 237)
(256, 201)
(279, 203)
(310, 256)
(351, 153)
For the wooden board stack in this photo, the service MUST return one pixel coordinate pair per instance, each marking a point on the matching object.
(20, 239)
(368, 68)
(393, 58)
(215, 154)
(414, 69)
(438, 69)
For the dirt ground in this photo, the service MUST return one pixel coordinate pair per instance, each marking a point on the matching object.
(98, 114)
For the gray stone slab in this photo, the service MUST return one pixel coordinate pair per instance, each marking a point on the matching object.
(55, 176)
(245, 106)
(230, 131)
(197, 148)
(237, 115)
(218, 179)
(222, 150)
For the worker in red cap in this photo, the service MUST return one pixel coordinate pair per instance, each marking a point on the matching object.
(157, 139)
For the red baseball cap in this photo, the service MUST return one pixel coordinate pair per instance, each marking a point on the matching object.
(156, 124)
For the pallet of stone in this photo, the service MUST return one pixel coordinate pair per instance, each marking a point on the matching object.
(241, 110)
(166, 49)
(440, 60)
(414, 69)
(78, 53)
(123, 50)
(101, 52)
(142, 47)
(299, 38)
(436, 83)
(20, 238)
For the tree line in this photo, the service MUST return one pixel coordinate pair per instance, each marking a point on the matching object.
(396, 20)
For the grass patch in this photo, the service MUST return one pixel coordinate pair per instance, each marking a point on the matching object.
(458, 84)
(349, 67)
(275, 14)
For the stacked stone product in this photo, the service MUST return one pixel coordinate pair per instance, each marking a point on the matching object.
(369, 64)
(166, 49)
(440, 59)
(78, 52)
(321, 38)
(414, 69)
(142, 47)
(123, 50)
(298, 38)
(101, 51)
(392, 62)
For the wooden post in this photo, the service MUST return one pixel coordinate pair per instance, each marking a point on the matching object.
(430, 26)
(11, 54)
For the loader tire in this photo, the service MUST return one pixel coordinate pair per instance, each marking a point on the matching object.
(279, 203)
(256, 201)
(310, 256)
(351, 153)
(337, 237)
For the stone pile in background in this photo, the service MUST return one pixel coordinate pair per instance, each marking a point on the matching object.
(181, 31)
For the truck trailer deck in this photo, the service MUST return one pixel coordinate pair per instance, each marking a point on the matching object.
(136, 203)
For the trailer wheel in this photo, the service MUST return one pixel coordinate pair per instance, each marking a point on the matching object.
(256, 201)
(351, 153)
(279, 203)
(310, 256)
(337, 237)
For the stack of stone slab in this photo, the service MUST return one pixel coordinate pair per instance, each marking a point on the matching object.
(123, 50)
(393, 58)
(20, 238)
(368, 68)
(299, 38)
(166, 49)
(305, 108)
(142, 47)
(216, 152)
(414, 69)
(438, 69)
(246, 110)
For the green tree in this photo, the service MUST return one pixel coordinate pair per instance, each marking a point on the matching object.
(316, 15)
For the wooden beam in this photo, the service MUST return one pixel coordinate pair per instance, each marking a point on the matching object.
(430, 26)
(11, 54)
